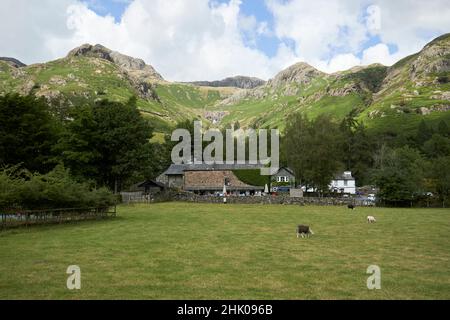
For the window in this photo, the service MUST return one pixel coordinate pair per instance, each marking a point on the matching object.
(345, 183)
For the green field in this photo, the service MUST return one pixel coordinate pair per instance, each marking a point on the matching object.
(203, 251)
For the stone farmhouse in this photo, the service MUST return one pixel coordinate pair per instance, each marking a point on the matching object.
(211, 179)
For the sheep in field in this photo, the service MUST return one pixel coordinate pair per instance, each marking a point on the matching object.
(371, 219)
(304, 231)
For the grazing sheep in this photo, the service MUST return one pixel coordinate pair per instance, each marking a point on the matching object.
(351, 206)
(371, 219)
(304, 231)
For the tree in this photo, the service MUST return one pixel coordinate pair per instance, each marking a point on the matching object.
(294, 146)
(443, 129)
(441, 178)
(437, 146)
(107, 141)
(27, 133)
(313, 150)
(399, 174)
(424, 133)
(358, 149)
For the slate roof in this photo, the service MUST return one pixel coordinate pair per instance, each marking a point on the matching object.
(178, 169)
(150, 183)
(344, 176)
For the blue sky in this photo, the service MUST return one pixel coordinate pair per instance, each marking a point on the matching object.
(114, 8)
(257, 8)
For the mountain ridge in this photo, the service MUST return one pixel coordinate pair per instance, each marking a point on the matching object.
(14, 62)
(242, 82)
(417, 86)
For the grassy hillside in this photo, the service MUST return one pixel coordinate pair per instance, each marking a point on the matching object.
(72, 81)
(395, 98)
(385, 99)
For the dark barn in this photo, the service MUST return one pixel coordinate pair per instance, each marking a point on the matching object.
(151, 187)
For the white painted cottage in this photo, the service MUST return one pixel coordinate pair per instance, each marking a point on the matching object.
(344, 183)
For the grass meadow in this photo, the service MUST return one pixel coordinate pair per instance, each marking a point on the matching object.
(206, 251)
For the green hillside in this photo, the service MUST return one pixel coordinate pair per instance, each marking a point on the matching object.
(385, 98)
(73, 81)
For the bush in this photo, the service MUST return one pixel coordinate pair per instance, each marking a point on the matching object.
(57, 189)
(9, 188)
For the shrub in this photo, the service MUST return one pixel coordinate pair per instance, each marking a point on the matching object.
(56, 189)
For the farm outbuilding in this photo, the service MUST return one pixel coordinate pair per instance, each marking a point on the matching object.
(151, 187)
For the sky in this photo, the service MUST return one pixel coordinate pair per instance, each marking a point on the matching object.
(188, 40)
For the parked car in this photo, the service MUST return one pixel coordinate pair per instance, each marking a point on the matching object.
(284, 189)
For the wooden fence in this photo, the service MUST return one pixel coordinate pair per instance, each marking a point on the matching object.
(140, 197)
(18, 218)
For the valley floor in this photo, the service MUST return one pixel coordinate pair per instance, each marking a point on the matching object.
(204, 251)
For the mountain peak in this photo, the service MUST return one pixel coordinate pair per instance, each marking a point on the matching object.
(134, 66)
(241, 82)
(13, 62)
(301, 73)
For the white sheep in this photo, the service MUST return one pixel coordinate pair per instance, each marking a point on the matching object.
(371, 219)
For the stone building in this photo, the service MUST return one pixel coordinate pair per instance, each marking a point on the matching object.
(209, 179)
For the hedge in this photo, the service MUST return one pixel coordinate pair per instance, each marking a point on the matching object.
(56, 189)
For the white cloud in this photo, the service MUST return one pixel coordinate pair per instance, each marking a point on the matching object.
(206, 40)
(320, 26)
(340, 62)
(184, 40)
(332, 34)
(30, 29)
(379, 54)
(411, 24)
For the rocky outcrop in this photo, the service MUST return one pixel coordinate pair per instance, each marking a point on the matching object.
(146, 91)
(434, 108)
(140, 75)
(13, 62)
(349, 88)
(236, 82)
(136, 68)
(287, 80)
(300, 73)
(434, 58)
(215, 116)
